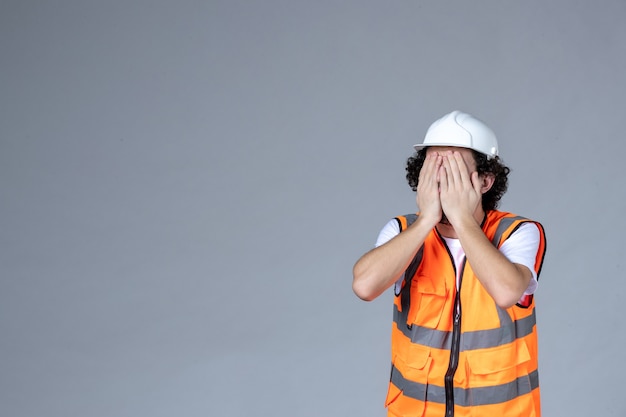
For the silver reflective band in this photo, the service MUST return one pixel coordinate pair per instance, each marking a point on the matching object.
(480, 339)
(466, 397)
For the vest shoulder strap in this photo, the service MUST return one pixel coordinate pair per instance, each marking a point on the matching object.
(406, 220)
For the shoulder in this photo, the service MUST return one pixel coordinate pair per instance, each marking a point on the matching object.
(405, 220)
(505, 224)
(393, 228)
(508, 217)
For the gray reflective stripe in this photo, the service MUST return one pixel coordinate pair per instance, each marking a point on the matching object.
(466, 397)
(504, 224)
(480, 339)
(505, 319)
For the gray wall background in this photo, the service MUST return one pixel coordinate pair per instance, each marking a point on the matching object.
(186, 185)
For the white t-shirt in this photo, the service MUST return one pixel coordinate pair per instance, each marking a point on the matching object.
(520, 248)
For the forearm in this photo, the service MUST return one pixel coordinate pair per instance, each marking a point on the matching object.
(502, 279)
(379, 268)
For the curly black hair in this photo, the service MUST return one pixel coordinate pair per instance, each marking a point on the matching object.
(494, 166)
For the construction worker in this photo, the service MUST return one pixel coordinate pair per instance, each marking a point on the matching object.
(464, 338)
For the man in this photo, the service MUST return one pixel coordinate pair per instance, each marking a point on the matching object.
(464, 340)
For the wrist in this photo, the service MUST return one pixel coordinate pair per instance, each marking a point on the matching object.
(426, 220)
(462, 223)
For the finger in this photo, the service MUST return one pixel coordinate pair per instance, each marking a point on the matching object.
(443, 178)
(449, 172)
(426, 169)
(437, 167)
(455, 170)
(430, 174)
(464, 174)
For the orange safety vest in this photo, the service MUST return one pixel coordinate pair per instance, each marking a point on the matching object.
(456, 353)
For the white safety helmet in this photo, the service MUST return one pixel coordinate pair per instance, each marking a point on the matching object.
(461, 130)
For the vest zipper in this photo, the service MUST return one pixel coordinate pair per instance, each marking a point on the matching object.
(454, 349)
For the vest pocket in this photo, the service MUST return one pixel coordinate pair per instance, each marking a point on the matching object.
(393, 392)
(500, 358)
(428, 299)
(409, 381)
(417, 359)
(498, 370)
